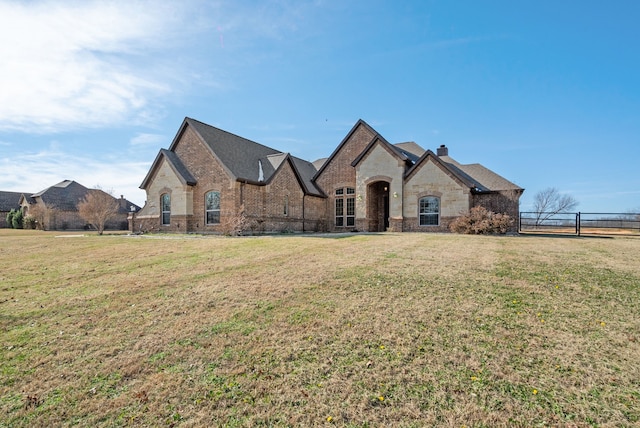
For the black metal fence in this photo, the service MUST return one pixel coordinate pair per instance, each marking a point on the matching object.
(579, 223)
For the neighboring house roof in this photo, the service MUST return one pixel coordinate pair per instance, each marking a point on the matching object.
(63, 196)
(10, 200)
(66, 195)
(125, 206)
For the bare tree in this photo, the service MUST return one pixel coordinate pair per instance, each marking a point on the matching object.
(97, 208)
(41, 214)
(549, 202)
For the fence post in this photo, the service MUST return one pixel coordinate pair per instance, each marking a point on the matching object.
(578, 223)
(519, 221)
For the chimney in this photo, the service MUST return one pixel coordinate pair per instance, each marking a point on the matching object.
(443, 150)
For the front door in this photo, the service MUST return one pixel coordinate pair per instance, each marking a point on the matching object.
(378, 206)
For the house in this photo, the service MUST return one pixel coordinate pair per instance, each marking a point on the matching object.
(210, 180)
(8, 201)
(56, 207)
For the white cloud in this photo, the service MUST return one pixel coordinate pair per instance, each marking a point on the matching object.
(51, 166)
(83, 64)
(143, 139)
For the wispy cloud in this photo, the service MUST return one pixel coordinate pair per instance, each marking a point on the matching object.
(83, 64)
(48, 167)
(143, 139)
(89, 64)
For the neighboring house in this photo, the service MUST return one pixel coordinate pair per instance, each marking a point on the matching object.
(210, 179)
(58, 207)
(9, 201)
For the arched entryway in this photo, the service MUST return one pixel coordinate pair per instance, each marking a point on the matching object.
(378, 206)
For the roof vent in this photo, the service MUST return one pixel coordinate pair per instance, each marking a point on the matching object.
(443, 150)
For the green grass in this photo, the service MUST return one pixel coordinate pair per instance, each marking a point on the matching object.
(362, 331)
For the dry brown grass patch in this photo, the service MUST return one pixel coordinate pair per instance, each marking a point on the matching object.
(364, 330)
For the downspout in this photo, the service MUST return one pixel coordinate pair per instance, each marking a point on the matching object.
(303, 213)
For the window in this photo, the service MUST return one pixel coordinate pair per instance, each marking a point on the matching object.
(165, 202)
(345, 207)
(429, 211)
(285, 207)
(212, 207)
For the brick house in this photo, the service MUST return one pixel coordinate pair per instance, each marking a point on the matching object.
(59, 207)
(210, 179)
(9, 201)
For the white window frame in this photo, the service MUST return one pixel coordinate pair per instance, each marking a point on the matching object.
(424, 216)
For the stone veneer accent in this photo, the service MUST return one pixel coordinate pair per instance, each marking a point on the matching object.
(263, 205)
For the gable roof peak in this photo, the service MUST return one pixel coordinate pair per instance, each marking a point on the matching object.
(358, 123)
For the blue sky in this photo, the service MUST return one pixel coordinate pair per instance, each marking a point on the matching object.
(545, 93)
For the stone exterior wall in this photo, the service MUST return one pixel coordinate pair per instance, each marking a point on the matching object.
(432, 180)
(339, 173)
(164, 181)
(379, 165)
(282, 206)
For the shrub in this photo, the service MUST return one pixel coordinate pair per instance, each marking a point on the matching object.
(16, 220)
(234, 224)
(480, 221)
(9, 218)
(29, 222)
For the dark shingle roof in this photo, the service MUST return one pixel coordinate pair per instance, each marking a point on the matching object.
(175, 163)
(63, 196)
(249, 161)
(307, 170)
(10, 200)
(483, 178)
(411, 147)
(242, 157)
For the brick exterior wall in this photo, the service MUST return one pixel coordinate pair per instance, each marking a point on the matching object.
(339, 173)
(505, 202)
(261, 207)
(250, 207)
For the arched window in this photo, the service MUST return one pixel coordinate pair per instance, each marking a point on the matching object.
(429, 211)
(165, 202)
(212, 207)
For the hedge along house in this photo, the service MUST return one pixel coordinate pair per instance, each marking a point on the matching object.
(210, 179)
